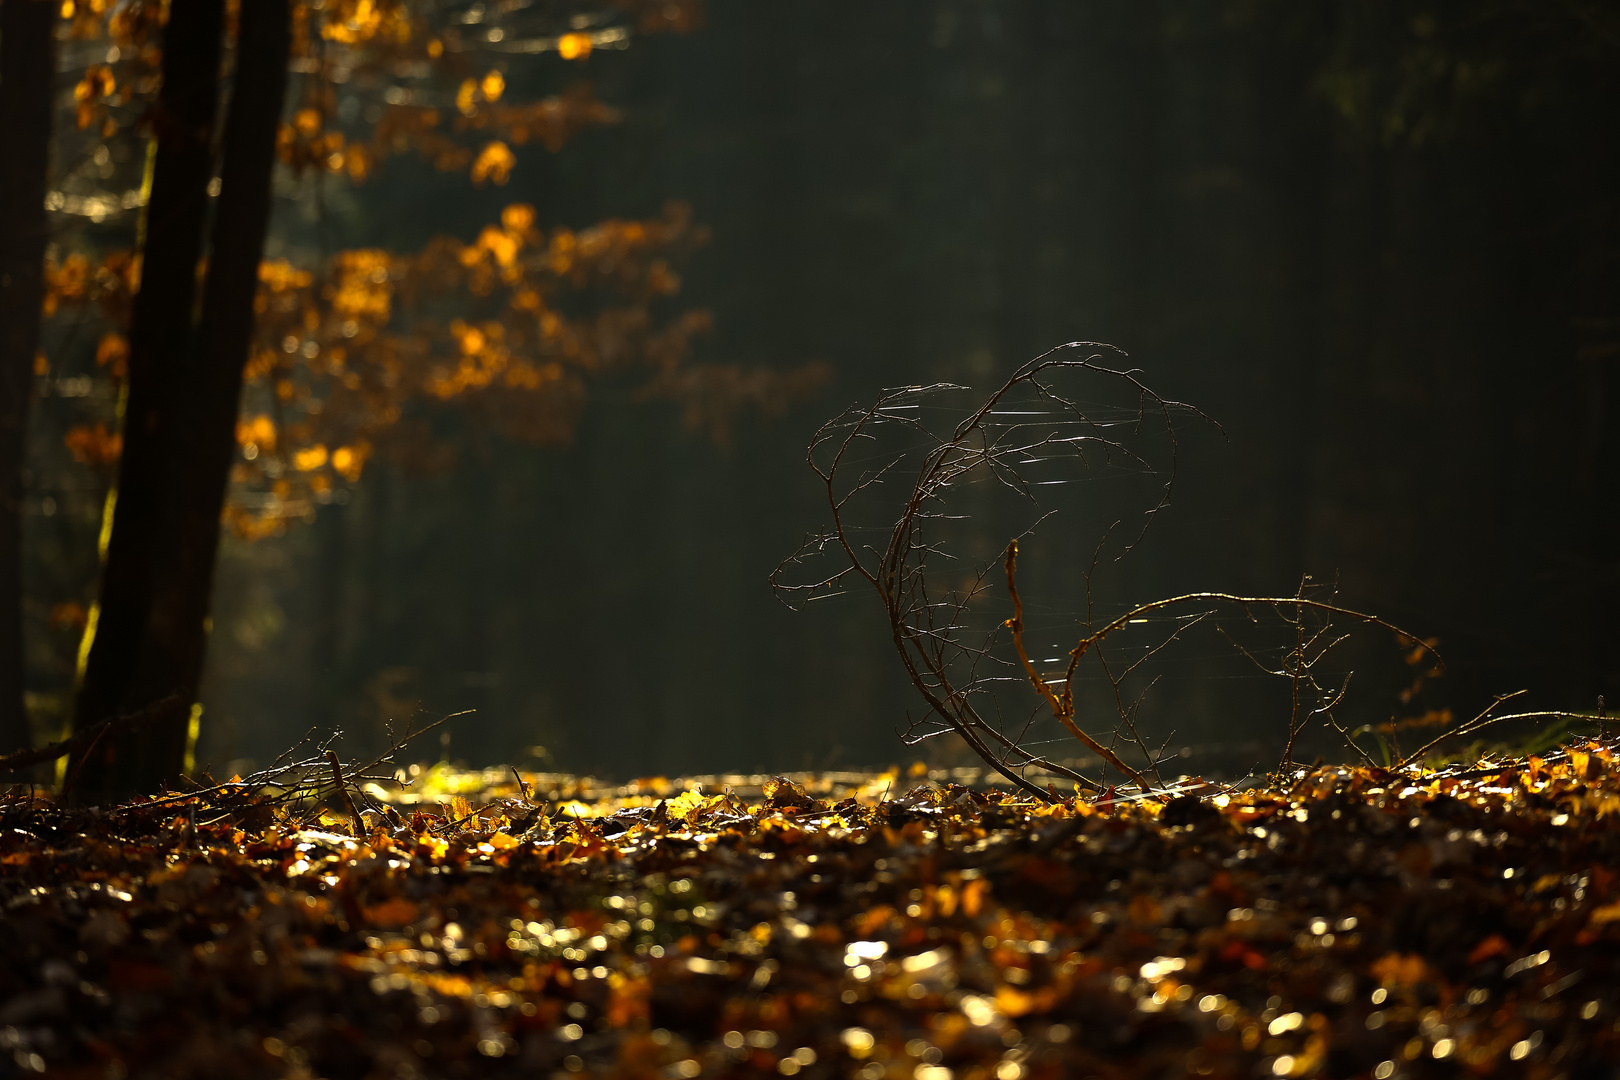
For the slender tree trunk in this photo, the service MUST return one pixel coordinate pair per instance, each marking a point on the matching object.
(159, 342)
(27, 64)
(176, 640)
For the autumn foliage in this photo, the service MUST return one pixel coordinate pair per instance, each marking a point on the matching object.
(510, 325)
(1353, 923)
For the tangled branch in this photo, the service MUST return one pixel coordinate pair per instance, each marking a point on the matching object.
(911, 550)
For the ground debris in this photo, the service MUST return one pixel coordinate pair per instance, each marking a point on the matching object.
(1357, 922)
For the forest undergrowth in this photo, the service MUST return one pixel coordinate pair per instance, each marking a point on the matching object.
(1339, 921)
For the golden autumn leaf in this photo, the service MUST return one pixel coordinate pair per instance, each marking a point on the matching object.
(574, 46)
(1604, 915)
(112, 353)
(395, 911)
(95, 445)
(1400, 969)
(494, 162)
(684, 804)
(309, 459)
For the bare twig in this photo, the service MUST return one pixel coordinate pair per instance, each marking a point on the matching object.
(305, 778)
(343, 791)
(1062, 708)
(522, 784)
(956, 659)
(1488, 717)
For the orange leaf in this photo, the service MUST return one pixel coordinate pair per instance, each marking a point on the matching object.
(397, 911)
(1495, 945)
(1608, 913)
(1393, 969)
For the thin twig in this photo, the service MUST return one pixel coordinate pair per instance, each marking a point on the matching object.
(1031, 418)
(522, 785)
(343, 790)
(1064, 715)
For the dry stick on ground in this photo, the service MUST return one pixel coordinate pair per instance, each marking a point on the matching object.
(305, 778)
(523, 785)
(1062, 707)
(343, 790)
(1350, 740)
(1478, 723)
(928, 629)
(19, 759)
(1485, 719)
(1299, 668)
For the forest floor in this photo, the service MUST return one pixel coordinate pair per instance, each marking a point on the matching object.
(1362, 923)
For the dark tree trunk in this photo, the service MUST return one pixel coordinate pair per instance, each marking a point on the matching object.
(205, 446)
(27, 63)
(159, 341)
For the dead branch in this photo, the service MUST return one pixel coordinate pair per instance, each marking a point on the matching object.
(290, 780)
(1062, 708)
(1030, 423)
(1488, 717)
(523, 785)
(343, 792)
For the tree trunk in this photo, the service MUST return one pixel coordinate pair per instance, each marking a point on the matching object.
(27, 64)
(176, 639)
(159, 341)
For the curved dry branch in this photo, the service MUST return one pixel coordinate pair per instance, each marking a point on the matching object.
(1031, 421)
(1062, 707)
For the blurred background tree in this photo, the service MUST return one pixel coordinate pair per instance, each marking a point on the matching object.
(27, 69)
(331, 361)
(1376, 241)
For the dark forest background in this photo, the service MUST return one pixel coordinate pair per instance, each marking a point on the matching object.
(1378, 242)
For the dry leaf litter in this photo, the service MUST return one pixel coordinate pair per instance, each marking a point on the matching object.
(1361, 923)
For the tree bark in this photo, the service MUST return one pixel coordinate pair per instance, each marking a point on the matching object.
(159, 341)
(27, 64)
(205, 446)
